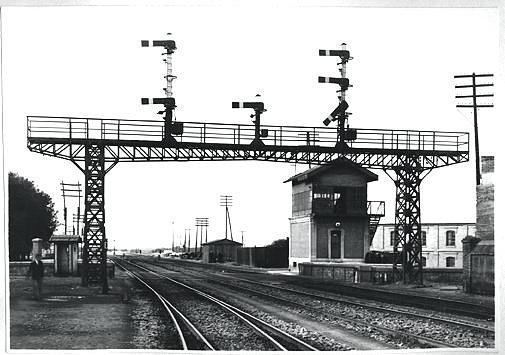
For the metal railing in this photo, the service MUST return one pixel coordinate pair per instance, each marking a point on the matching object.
(375, 208)
(219, 133)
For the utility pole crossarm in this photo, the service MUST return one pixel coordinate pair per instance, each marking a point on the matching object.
(475, 106)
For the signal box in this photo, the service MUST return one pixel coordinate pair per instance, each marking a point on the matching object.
(331, 219)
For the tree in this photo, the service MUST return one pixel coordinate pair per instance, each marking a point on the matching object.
(31, 215)
(279, 243)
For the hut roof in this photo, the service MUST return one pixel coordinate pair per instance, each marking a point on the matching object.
(65, 238)
(222, 242)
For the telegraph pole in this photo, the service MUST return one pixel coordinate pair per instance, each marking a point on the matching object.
(202, 222)
(226, 201)
(189, 240)
(474, 105)
(71, 190)
(196, 237)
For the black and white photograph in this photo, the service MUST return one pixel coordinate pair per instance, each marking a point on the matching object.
(203, 175)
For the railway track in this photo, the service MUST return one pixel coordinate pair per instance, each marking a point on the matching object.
(436, 304)
(276, 338)
(409, 313)
(189, 338)
(384, 308)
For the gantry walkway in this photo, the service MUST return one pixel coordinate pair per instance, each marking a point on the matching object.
(136, 140)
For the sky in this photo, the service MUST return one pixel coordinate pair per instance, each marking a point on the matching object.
(88, 62)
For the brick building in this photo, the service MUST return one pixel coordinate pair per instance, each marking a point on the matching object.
(331, 219)
(442, 243)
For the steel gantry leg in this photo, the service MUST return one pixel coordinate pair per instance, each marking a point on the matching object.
(94, 255)
(407, 247)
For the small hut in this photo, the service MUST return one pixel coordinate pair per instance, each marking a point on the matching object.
(219, 251)
(66, 253)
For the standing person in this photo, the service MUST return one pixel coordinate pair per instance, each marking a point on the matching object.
(37, 272)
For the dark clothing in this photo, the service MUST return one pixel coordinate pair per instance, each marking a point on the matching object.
(37, 288)
(36, 270)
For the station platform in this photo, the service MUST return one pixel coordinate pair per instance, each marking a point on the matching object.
(69, 316)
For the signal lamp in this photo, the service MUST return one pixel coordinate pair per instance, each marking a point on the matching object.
(177, 128)
(350, 134)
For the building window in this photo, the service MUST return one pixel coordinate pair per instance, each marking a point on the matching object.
(450, 238)
(322, 195)
(450, 261)
(423, 238)
(336, 197)
(392, 238)
(423, 261)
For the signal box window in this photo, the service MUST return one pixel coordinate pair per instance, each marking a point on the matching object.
(450, 261)
(423, 238)
(423, 261)
(336, 197)
(450, 238)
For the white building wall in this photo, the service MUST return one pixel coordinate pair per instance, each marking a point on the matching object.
(436, 251)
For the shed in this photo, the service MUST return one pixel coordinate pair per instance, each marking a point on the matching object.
(220, 250)
(66, 253)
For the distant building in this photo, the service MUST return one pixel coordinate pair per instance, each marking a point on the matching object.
(331, 219)
(441, 242)
(222, 250)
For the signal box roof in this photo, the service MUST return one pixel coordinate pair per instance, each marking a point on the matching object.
(223, 242)
(308, 175)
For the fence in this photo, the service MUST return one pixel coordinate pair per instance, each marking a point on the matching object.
(267, 257)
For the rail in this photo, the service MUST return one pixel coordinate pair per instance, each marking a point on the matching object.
(75, 128)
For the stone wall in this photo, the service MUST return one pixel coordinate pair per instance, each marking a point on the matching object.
(478, 253)
(485, 201)
(20, 268)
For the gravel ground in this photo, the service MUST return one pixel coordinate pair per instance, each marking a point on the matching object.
(222, 329)
(317, 340)
(81, 318)
(151, 324)
(452, 334)
(68, 317)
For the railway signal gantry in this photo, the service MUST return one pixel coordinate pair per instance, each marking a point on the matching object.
(96, 145)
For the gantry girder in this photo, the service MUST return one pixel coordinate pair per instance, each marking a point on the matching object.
(97, 145)
(131, 151)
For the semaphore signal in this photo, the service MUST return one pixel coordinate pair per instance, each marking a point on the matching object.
(170, 127)
(259, 108)
(340, 113)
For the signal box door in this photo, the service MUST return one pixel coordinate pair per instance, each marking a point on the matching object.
(336, 244)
